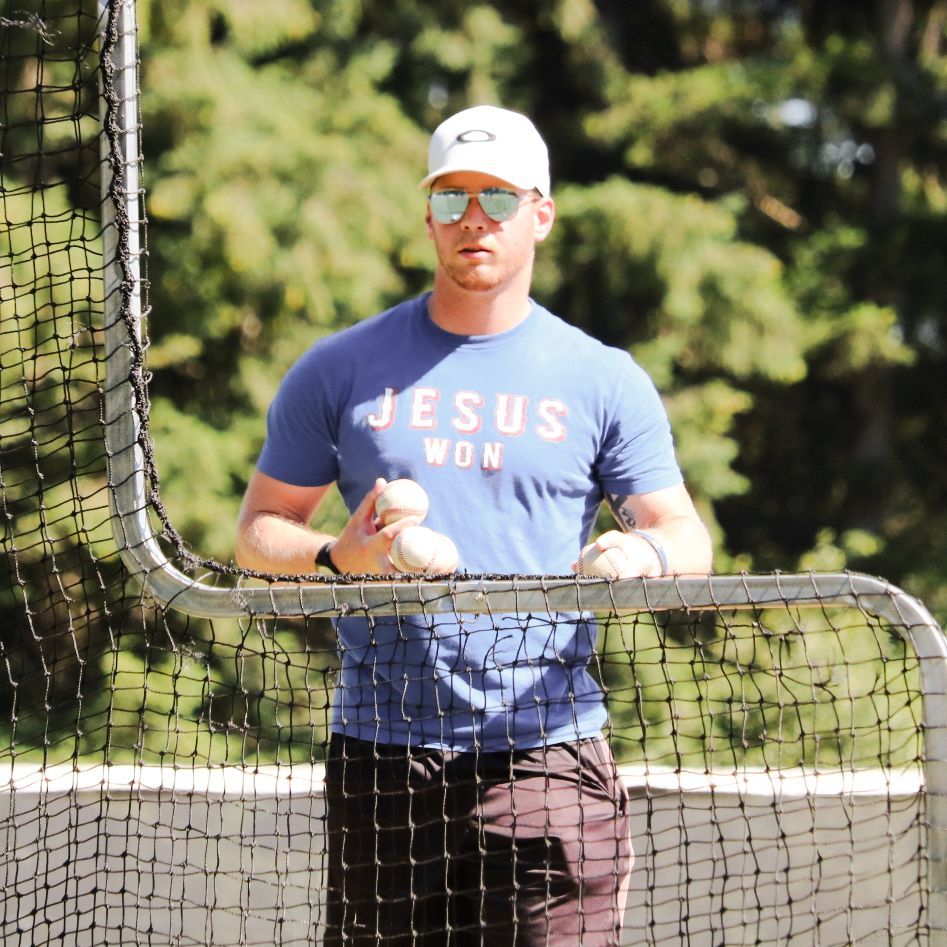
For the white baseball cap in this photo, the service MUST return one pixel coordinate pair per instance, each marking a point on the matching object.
(492, 141)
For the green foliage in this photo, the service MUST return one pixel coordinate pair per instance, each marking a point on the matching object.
(638, 264)
(751, 199)
(227, 695)
(54, 525)
(666, 276)
(265, 231)
(775, 690)
(726, 211)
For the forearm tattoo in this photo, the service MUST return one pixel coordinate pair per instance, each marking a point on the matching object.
(621, 510)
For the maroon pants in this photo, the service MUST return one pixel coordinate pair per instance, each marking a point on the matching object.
(436, 848)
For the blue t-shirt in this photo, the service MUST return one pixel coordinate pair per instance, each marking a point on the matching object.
(516, 437)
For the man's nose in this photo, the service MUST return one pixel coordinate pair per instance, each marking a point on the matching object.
(474, 217)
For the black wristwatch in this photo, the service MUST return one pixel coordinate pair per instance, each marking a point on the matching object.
(324, 558)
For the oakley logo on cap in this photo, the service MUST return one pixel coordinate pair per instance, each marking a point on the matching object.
(489, 140)
(476, 134)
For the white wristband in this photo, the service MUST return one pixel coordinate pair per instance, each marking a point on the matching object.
(655, 544)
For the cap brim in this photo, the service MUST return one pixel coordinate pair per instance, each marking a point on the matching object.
(480, 169)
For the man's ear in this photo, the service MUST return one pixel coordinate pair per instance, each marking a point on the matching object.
(544, 215)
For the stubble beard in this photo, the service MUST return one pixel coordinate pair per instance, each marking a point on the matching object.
(482, 278)
(473, 281)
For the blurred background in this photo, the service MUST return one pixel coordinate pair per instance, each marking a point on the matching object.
(751, 199)
(751, 196)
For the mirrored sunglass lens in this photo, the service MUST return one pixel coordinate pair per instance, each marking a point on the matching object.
(448, 207)
(499, 204)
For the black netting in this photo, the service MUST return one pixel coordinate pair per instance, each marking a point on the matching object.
(162, 772)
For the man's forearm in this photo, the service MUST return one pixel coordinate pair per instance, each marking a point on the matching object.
(679, 541)
(686, 545)
(271, 543)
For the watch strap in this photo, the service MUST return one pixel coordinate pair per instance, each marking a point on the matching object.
(324, 558)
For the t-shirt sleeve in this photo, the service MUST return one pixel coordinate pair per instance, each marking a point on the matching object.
(637, 453)
(301, 444)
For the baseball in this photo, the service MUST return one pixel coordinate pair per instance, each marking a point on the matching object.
(399, 499)
(602, 564)
(421, 551)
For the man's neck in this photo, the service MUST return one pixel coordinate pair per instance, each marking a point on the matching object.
(468, 312)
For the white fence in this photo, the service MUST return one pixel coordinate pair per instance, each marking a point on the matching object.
(222, 856)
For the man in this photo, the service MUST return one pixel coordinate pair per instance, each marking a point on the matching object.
(471, 797)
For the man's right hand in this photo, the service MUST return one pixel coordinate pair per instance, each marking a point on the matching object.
(273, 534)
(363, 545)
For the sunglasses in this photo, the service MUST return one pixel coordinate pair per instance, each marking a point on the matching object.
(499, 204)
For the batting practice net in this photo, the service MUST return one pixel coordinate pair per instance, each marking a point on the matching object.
(165, 718)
